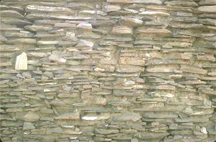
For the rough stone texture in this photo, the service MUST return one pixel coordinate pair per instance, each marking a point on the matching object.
(108, 71)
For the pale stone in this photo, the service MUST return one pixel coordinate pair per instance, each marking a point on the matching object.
(28, 126)
(119, 1)
(134, 22)
(128, 83)
(85, 43)
(207, 9)
(31, 117)
(204, 130)
(69, 116)
(127, 117)
(161, 68)
(110, 8)
(152, 13)
(96, 117)
(129, 68)
(194, 70)
(134, 140)
(48, 9)
(100, 101)
(21, 62)
(121, 30)
(136, 1)
(57, 58)
(147, 1)
(85, 26)
(41, 42)
(106, 131)
(158, 32)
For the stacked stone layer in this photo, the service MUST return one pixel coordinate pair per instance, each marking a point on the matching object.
(108, 70)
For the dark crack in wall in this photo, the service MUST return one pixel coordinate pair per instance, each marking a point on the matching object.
(108, 71)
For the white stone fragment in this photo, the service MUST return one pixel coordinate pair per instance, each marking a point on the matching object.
(83, 25)
(21, 62)
(154, 13)
(96, 117)
(203, 130)
(90, 118)
(85, 43)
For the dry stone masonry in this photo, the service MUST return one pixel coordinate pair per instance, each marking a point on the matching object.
(108, 71)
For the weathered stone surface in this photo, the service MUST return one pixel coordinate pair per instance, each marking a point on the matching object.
(136, 1)
(156, 32)
(161, 68)
(129, 69)
(100, 101)
(208, 9)
(127, 117)
(110, 8)
(189, 69)
(96, 117)
(85, 26)
(160, 115)
(28, 126)
(121, 30)
(21, 62)
(31, 117)
(154, 13)
(134, 22)
(11, 13)
(104, 131)
(69, 116)
(151, 135)
(132, 61)
(48, 9)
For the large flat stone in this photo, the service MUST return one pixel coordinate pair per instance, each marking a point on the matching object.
(21, 62)
(207, 9)
(69, 116)
(127, 117)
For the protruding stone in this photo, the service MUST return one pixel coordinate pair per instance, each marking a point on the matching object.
(84, 26)
(133, 22)
(21, 62)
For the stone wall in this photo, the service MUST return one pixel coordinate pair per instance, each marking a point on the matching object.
(108, 70)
